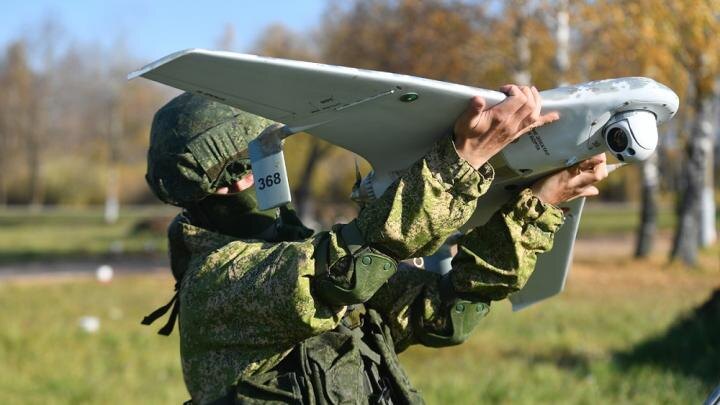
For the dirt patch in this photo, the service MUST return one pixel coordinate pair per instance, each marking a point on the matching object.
(620, 245)
(603, 262)
(45, 272)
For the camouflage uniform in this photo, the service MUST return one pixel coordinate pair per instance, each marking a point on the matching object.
(251, 313)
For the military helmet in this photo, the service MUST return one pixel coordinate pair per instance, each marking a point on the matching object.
(196, 146)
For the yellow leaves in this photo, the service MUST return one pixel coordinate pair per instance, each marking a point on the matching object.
(427, 39)
(669, 41)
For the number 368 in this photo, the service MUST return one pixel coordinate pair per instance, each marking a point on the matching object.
(269, 180)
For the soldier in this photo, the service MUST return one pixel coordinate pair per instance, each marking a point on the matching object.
(270, 312)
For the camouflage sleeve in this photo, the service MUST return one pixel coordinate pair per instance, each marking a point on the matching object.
(493, 261)
(247, 302)
(425, 205)
(414, 216)
(400, 302)
(496, 259)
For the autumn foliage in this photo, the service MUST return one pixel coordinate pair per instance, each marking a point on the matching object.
(56, 131)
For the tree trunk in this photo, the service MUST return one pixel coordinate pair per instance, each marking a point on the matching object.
(3, 169)
(708, 231)
(3, 190)
(34, 169)
(562, 41)
(302, 191)
(521, 68)
(32, 129)
(112, 192)
(649, 210)
(112, 200)
(688, 231)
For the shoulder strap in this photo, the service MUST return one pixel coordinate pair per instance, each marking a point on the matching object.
(170, 324)
(352, 237)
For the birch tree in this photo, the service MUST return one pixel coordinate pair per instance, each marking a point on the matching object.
(697, 48)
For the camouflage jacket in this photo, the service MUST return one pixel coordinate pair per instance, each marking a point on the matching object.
(244, 304)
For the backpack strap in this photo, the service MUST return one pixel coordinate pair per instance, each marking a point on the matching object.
(170, 324)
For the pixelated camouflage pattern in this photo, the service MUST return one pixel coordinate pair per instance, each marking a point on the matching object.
(419, 211)
(497, 259)
(244, 304)
(397, 299)
(193, 141)
(493, 261)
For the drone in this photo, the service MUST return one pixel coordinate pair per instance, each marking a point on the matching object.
(392, 120)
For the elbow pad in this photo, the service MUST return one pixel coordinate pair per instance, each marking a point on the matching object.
(461, 317)
(368, 270)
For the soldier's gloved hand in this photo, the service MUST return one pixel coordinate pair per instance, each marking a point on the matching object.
(498, 258)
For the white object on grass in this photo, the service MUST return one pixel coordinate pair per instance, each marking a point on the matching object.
(104, 273)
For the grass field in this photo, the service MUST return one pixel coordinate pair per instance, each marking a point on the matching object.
(608, 339)
(70, 234)
(615, 336)
(623, 332)
(60, 234)
(585, 346)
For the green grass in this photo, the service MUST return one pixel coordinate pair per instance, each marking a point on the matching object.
(603, 219)
(47, 359)
(77, 233)
(619, 334)
(608, 339)
(576, 349)
(59, 234)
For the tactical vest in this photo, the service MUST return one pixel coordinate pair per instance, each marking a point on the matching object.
(353, 364)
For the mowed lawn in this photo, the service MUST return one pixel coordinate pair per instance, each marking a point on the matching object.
(72, 234)
(623, 331)
(589, 345)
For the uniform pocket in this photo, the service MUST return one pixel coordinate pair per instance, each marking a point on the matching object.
(269, 388)
(335, 364)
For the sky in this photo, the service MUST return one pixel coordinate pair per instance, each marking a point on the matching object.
(152, 29)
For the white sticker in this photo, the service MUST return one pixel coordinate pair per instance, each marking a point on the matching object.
(271, 182)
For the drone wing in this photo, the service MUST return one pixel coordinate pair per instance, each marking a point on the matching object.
(552, 267)
(353, 108)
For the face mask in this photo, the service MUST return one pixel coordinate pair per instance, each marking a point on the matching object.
(290, 227)
(235, 214)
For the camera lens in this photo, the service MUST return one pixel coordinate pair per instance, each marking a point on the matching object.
(617, 139)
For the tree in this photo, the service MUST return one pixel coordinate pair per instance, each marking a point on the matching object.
(696, 47)
(649, 207)
(519, 11)
(7, 149)
(677, 44)
(20, 111)
(44, 46)
(562, 40)
(278, 41)
(226, 41)
(432, 39)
